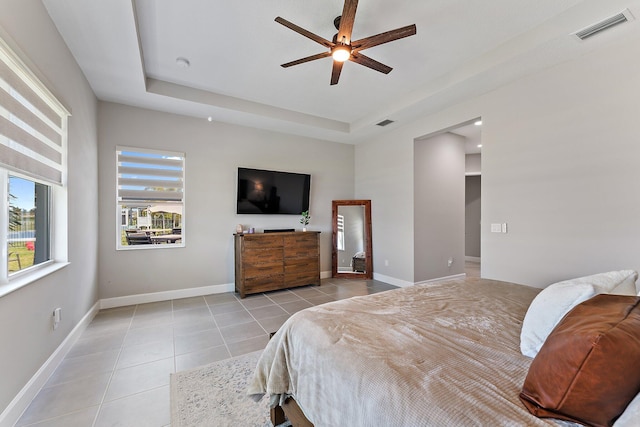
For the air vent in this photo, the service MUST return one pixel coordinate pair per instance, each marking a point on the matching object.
(605, 24)
(384, 122)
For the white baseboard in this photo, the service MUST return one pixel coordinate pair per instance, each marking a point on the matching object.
(391, 280)
(442, 279)
(19, 404)
(472, 258)
(175, 294)
(166, 295)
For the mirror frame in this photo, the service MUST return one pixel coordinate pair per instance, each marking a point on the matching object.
(368, 274)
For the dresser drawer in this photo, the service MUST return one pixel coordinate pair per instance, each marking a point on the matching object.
(258, 270)
(309, 264)
(301, 239)
(301, 246)
(263, 256)
(301, 271)
(292, 279)
(263, 283)
(258, 241)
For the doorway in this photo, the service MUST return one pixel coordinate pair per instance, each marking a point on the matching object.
(473, 195)
(472, 227)
(442, 162)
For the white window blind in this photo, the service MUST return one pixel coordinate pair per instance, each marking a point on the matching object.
(33, 123)
(148, 177)
(340, 236)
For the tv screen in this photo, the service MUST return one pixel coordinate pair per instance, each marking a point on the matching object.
(272, 192)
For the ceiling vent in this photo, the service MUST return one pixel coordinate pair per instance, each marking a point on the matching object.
(384, 122)
(605, 24)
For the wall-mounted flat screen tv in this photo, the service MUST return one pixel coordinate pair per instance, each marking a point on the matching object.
(272, 192)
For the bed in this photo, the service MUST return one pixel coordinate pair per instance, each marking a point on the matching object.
(435, 354)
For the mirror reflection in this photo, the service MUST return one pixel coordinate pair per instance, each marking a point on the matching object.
(352, 239)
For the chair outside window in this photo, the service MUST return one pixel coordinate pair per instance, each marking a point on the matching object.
(138, 239)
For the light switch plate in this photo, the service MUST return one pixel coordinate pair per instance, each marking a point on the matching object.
(496, 228)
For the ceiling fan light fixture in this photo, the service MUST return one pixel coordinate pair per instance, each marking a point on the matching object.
(341, 53)
(342, 48)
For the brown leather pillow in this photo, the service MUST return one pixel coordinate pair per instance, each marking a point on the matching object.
(587, 370)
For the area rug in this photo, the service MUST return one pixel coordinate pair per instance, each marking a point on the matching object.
(216, 395)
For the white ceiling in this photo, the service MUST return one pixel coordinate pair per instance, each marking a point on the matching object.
(128, 50)
(473, 137)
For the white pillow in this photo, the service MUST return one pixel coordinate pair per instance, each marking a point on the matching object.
(553, 302)
(627, 286)
(631, 414)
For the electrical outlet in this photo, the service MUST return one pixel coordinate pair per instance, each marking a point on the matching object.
(450, 262)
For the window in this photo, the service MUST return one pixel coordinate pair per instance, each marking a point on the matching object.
(29, 226)
(150, 199)
(33, 137)
(340, 236)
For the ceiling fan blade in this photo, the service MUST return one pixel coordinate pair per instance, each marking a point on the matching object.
(385, 37)
(335, 72)
(306, 33)
(371, 63)
(307, 59)
(346, 20)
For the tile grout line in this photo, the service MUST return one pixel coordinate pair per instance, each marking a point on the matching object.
(224, 341)
(113, 371)
(173, 335)
(254, 318)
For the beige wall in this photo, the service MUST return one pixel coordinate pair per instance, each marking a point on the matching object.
(26, 336)
(438, 223)
(558, 165)
(384, 175)
(213, 153)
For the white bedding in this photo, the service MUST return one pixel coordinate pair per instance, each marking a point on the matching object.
(427, 355)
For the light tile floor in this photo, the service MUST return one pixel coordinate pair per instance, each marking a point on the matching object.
(117, 373)
(472, 268)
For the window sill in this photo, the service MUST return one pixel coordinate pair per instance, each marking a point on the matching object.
(160, 246)
(24, 279)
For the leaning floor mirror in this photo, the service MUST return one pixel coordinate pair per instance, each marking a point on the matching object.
(352, 257)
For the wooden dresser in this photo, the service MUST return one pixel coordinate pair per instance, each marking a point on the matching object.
(271, 261)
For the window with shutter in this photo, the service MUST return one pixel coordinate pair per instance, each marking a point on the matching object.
(33, 138)
(150, 199)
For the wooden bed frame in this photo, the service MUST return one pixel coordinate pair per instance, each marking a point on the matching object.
(289, 411)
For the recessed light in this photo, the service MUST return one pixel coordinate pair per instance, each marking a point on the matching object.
(478, 123)
(479, 145)
(209, 118)
(182, 62)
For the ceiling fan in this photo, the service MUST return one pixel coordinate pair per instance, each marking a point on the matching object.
(342, 48)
